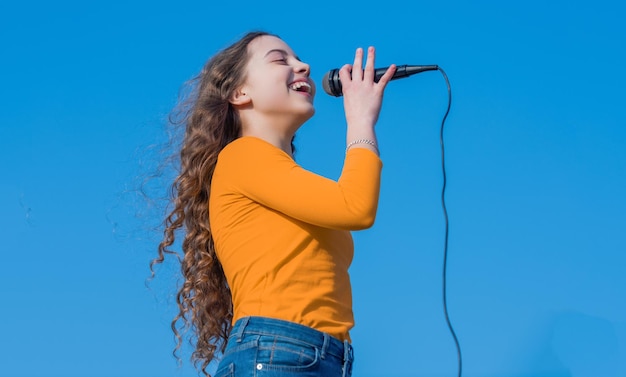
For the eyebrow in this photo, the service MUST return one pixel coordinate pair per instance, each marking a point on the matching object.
(281, 51)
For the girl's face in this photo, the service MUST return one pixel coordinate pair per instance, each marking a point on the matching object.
(277, 82)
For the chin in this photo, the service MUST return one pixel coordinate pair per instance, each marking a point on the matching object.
(305, 116)
(310, 113)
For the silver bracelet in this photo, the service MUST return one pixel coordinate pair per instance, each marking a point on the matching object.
(362, 141)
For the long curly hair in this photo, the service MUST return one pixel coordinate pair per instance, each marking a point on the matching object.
(210, 122)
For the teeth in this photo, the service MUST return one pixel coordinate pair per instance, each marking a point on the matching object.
(299, 85)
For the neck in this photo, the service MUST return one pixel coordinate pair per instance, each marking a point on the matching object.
(274, 132)
(279, 142)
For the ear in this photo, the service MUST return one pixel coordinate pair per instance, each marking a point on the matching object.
(240, 97)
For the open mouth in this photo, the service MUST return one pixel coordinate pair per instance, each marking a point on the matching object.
(301, 86)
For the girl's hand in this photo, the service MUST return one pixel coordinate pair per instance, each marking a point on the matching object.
(362, 96)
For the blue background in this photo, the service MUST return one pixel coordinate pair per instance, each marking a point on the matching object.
(535, 157)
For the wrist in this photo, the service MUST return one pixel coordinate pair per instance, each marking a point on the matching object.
(363, 143)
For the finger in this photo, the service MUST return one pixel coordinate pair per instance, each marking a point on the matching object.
(369, 64)
(344, 73)
(357, 67)
(384, 79)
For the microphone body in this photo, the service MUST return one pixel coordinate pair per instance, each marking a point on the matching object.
(332, 84)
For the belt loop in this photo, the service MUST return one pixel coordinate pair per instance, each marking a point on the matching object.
(325, 346)
(348, 358)
(240, 326)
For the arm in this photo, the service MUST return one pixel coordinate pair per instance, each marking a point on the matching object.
(267, 175)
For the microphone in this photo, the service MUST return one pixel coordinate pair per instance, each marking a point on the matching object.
(332, 84)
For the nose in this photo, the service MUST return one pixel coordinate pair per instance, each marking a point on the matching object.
(302, 67)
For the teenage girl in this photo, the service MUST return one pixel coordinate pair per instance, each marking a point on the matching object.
(267, 244)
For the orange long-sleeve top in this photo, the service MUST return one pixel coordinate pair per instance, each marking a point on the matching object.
(282, 233)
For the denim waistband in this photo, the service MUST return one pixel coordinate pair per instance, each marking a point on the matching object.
(326, 343)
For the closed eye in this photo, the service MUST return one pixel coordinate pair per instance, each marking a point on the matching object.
(278, 56)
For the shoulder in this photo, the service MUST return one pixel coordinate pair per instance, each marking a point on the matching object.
(251, 153)
(247, 146)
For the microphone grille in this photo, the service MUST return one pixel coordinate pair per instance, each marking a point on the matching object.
(331, 83)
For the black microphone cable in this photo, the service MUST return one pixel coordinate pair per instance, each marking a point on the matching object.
(447, 226)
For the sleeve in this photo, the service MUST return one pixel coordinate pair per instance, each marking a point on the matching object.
(267, 175)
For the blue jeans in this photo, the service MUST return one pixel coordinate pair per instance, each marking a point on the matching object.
(266, 347)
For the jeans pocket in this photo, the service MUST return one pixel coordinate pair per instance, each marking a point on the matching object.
(234, 347)
(276, 353)
(226, 371)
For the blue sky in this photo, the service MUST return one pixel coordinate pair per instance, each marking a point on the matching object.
(535, 157)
